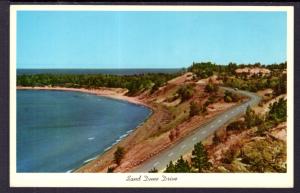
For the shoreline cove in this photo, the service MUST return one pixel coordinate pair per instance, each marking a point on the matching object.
(110, 93)
(136, 142)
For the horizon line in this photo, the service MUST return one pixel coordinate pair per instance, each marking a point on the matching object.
(155, 68)
(95, 68)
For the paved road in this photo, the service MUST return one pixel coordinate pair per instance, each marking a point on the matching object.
(187, 144)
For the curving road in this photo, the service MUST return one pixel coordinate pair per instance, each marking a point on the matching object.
(187, 144)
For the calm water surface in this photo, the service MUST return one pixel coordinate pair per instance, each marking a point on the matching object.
(58, 131)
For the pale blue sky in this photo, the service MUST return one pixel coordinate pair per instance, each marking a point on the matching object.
(78, 39)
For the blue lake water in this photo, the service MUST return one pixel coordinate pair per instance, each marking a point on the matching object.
(58, 131)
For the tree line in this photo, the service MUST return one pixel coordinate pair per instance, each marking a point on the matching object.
(134, 83)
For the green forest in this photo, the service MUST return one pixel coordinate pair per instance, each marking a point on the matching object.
(276, 80)
(134, 83)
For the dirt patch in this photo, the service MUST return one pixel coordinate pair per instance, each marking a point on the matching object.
(213, 79)
(182, 79)
(252, 71)
(279, 132)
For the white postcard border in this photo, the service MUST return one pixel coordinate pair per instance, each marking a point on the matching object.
(245, 180)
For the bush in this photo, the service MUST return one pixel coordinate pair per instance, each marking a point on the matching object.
(154, 88)
(252, 119)
(265, 126)
(172, 135)
(153, 170)
(211, 88)
(229, 156)
(194, 109)
(227, 99)
(216, 139)
(185, 92)
(211, 99)
(110, 169)
(278, 111)
(265, 155)
(230, 97)
(236, 125)
(119, 154)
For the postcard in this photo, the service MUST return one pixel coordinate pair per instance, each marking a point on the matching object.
(151, 96)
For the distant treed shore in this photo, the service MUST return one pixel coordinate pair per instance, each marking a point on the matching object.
(112, 71)
(245, 77)
(134, 83)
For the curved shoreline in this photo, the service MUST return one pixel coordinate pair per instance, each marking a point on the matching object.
(104, 92)
(109, 93)
(129, 140)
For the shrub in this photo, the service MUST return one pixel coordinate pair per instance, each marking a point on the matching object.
(211, 99)
(252, 119)
(278, 111)
(228, 156)
(211, 88)
(119, 154)
(216, 139)
(227, 99)
(185, 92)
(264, 127)
(194, 109)
(171, 135)
(153, 170)
(230, 97)
(110, 169)
(236, 125)
(177, 132)
(265, 155)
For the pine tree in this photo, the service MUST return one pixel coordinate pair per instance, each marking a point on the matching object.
(170, 168)
(199, 157)
(182, 166)
(278, 111)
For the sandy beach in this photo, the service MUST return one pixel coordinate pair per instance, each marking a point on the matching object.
(113, 93)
